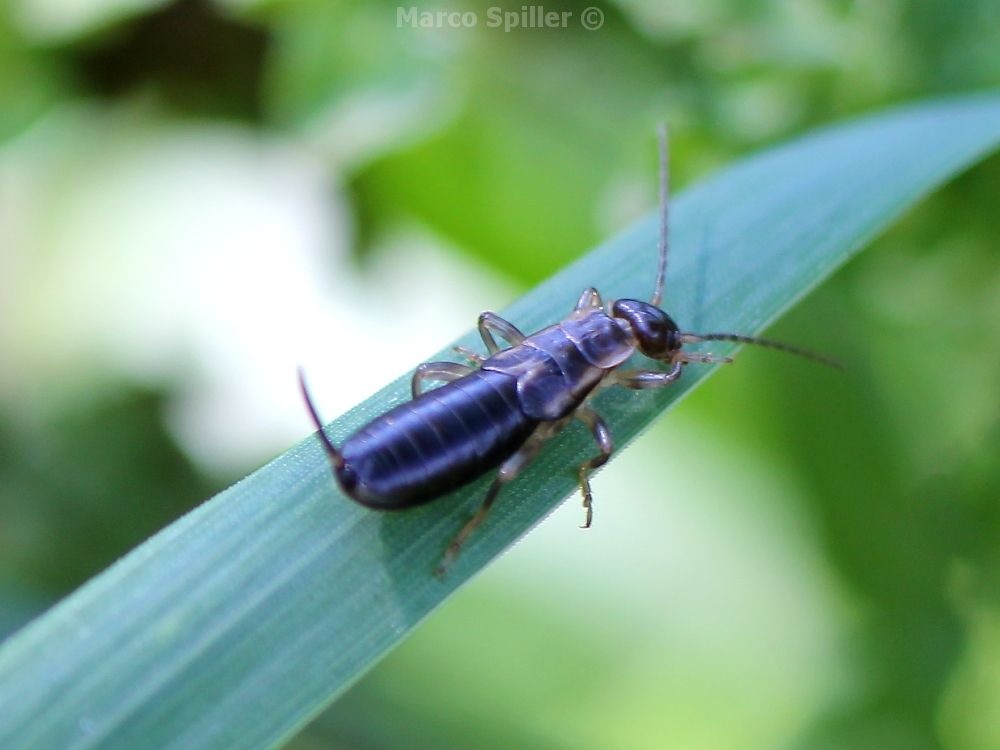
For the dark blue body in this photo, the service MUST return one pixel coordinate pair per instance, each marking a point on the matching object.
(448, 436)
(439, 441)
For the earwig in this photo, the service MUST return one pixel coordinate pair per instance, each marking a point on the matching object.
(498, 411)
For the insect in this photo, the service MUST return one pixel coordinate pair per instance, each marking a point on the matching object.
(498, 411)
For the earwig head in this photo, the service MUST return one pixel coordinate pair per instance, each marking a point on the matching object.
(654, 330)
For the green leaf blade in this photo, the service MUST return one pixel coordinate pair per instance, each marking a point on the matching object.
(238, 623)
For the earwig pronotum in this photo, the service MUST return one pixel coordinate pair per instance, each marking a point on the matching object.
(499, 412)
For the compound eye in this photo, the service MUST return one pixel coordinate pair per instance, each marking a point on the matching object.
(673, 339)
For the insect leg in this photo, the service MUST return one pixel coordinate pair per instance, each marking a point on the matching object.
(443, 372)
(590, 298)
(602, 436)
(470, 355)
(490, 323)
(507, 473)
(640, 379)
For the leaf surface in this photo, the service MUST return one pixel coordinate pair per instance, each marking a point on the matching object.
(237, 624)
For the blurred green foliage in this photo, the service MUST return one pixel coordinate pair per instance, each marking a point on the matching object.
(100, 481)
(522, 149)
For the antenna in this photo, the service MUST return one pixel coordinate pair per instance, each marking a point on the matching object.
(664, 199)
(692, 338)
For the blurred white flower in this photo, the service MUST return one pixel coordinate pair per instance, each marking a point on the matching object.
(211, 262)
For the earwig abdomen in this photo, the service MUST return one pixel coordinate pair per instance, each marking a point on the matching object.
(436, 443)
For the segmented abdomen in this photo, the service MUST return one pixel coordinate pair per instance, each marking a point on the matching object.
(436, 443)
